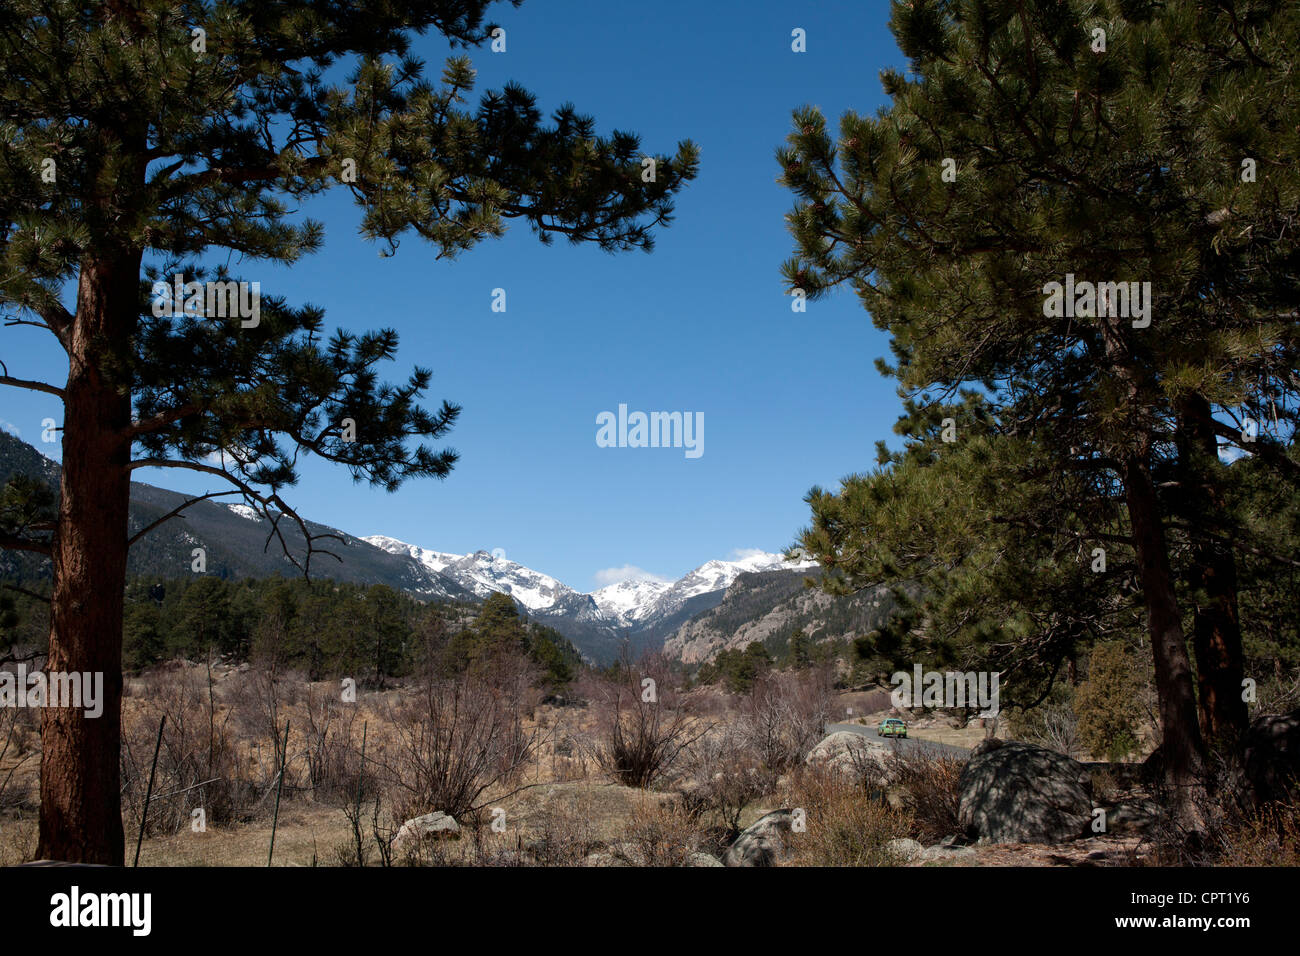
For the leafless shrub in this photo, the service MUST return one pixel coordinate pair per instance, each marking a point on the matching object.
(723, 776)
(568, 749)
(260, 699)
(372, 828)
(565, 834)
(784, 715)
(1227, 826)
(14, 791)
(515, 676)
(1052, 725)
(931, 792)
(455, 739)
(643, 727)
(660, 835)
(332, 761)
(1278, 693)
(841, 828)
(1268, 837)
(19, 841)
(197, 760)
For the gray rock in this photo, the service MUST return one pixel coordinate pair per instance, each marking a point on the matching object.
(1013, 792)
(432, 825)
(850, 754)
(703, 859)
(765, 843)
(944, 854)
(1132, 819)
(905, 848)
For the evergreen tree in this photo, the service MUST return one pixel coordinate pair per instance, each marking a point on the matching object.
(992, 568)
(1107, 703)
(387, 631)
(202, 619)
(144, 139)
(144, 639)
(1117, 142)
(799, 651)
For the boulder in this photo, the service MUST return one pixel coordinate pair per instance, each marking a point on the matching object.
(942, 853)
(1012, 792)
(703, 859)
(600, 858)
(616, 854)
(1133, 819)
(432, 825)
(765, 843)
(905, 849)
(850, 754)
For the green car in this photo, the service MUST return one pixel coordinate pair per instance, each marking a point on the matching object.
(892, 727)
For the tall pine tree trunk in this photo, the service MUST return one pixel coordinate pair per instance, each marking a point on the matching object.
(1212, 575)
(1182, 746)
(80, 817)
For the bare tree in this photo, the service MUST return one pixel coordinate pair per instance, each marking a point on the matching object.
(331, 767)
(643, 727)
(784, 715)
(12, 740)
(456, 739)
(725, 776)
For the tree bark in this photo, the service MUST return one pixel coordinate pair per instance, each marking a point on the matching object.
(80, 816)
(1212, 576)
(1183, 747)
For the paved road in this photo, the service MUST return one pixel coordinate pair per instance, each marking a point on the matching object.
(902, 744)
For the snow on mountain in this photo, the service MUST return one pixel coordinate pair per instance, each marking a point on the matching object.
(716, 576)
(642, 610)
(245, 511)
(482, 573)
(433, 560)
(627, 602)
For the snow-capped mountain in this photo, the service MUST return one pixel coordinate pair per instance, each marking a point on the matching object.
(544, 598)
(714, 577)
(641, 611)
(481, 573)
(628, 602)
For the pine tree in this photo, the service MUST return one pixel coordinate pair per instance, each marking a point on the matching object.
(141, 140)
(1115, 142)
(1107, 703)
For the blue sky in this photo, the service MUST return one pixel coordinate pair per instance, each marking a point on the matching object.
(700, 325)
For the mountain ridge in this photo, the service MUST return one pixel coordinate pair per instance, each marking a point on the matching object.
(236, 541)
(642, 612)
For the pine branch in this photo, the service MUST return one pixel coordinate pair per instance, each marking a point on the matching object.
(274, 501)
(174, 512)
(31, 386)
(161, 420)
(11, 542)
